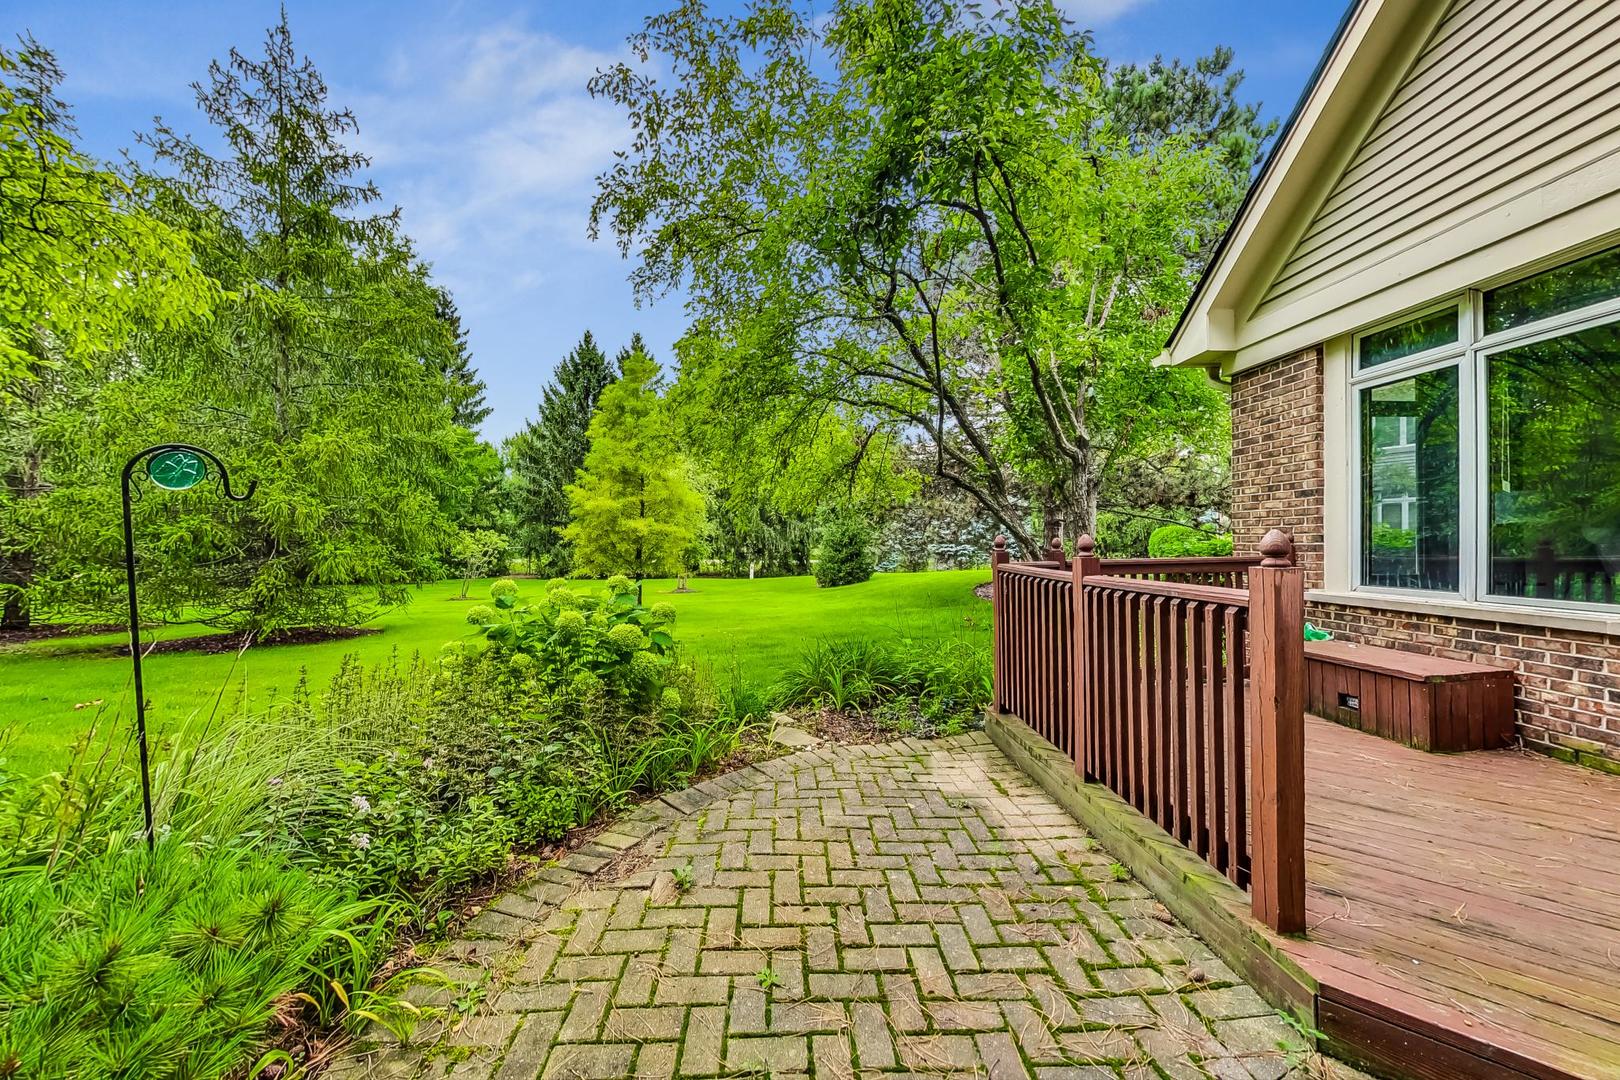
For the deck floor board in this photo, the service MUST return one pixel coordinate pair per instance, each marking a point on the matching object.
(1485, 886)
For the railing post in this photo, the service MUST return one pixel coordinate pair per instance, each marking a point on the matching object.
(998, 558)
(1277, 724)
(1054, 552)
(1085, 564)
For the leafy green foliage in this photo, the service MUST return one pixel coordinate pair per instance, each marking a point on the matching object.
(910, 688)
(322, 375)
(634, 509)
(477, 552)
(844, 555)
(748, 539)
(1186, 542)
(1393, 538)
(83, 269)
(550, 450)
(82, 265)
(293, 846)
(585, 646)
(928, 219)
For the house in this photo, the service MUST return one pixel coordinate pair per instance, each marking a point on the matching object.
(1418, 312)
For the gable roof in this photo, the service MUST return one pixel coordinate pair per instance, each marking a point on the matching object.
(1284, 133)
(1437, 145)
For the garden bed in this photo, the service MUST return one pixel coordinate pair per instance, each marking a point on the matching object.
(213, 644)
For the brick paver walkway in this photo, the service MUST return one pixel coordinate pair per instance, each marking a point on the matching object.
(905, 909)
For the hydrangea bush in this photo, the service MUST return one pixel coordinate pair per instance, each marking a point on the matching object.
(584, 646)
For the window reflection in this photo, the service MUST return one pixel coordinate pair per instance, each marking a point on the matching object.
(1409, 482)
(1555, 467)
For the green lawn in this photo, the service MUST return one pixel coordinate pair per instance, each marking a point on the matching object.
(47, 688)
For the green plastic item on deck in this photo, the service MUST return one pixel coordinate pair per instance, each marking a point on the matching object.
(1313, 634)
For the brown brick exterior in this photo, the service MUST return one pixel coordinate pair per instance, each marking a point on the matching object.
(1277, 457)
(1567, 690)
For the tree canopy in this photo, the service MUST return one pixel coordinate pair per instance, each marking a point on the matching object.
(324, 374)
(633, 510)
(546, 455)
(916, 217)
(82, 265)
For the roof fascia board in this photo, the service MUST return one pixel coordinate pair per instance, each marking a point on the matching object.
(1375, 47)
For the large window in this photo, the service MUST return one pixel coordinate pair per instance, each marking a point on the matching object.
(1489, 435)
(1409, 477)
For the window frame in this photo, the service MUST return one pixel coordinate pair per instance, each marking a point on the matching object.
(1471, 354)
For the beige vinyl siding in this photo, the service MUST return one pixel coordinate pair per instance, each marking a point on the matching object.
(1507, 96)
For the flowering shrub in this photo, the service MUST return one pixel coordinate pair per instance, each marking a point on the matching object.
(579, 645)
(293, 845)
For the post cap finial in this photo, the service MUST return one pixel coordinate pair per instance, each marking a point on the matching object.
(1277, 547)
(1085, 547)
(999, 543)
(1055, 548)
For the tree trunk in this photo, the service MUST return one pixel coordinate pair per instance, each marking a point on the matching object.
(1069, 509)
(16, 571)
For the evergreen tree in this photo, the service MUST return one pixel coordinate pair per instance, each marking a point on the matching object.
(466, 389)
(637, 345)
(634, 509)
(316, 376)
(547, 454)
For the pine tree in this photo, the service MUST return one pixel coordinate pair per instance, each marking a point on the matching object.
(547, 454)
(465, 388)
(637, 345)
(314, 378)
(634, 509)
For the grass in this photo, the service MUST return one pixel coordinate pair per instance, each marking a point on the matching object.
(49, 689)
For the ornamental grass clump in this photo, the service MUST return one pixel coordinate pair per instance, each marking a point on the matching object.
(912, 688)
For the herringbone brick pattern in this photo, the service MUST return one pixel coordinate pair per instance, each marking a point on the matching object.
(905, 909)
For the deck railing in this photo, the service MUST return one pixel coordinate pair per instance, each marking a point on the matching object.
(1179, 685)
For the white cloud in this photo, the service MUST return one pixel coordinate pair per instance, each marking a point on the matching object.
(1089, 13)
(491, 143)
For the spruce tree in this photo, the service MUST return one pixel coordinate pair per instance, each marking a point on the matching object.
(316, 377)
(545, 456)
(465, 388)
(634, 509)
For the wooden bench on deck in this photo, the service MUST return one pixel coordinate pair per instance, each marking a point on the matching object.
(1424, 701)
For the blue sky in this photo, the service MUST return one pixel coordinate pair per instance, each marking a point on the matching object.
(481, 131)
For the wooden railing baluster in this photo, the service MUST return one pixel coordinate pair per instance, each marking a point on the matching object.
(1136, 669)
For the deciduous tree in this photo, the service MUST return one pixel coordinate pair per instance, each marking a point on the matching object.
(82, 268)
(634, 510)
(915, 216)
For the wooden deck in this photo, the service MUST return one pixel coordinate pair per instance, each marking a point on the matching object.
(1463, 909)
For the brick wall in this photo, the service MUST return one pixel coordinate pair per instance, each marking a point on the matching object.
(1277, 457)
(1566, 695)
(1567, 690)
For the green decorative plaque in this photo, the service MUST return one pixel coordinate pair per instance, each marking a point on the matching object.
(176, 470)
